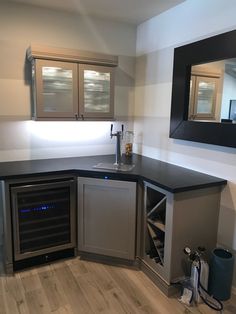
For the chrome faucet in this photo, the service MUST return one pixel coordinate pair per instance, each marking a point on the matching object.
(119, 137)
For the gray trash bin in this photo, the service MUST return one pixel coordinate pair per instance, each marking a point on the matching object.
(221, 274)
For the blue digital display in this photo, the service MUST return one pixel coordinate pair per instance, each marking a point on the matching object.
(42, 208)
(106, 177)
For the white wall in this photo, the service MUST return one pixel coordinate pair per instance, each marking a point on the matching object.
(20, 25)
(156, 39)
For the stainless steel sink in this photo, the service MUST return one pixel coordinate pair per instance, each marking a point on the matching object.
(110, 166)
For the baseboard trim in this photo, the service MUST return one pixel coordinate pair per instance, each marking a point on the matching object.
(168, 290)
(116, 261)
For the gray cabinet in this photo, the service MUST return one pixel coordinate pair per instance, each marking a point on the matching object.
(72, 85)
(169, 223)
(107, 217)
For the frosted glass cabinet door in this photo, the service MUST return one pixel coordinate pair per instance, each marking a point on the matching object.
(96, 85)
(56, 89)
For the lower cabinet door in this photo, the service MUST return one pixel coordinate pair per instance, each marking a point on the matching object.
(107, 217)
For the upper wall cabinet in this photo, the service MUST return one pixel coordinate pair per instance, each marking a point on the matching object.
(96, 91)
(72, 85)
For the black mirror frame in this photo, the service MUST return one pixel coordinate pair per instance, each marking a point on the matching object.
(215, 48)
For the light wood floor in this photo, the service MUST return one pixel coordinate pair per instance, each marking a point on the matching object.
(76, 286)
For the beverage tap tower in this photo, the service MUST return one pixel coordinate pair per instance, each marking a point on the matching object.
(119, 137)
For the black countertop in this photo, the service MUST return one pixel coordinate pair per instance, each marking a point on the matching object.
(167, 176)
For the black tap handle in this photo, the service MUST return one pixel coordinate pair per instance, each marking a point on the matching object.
(111, 130)
(122, 131)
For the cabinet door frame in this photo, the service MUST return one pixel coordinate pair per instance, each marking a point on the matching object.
(98, 68)
(129, 253)
(39, 108)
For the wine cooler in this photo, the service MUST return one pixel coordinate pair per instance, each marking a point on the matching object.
(43, 218)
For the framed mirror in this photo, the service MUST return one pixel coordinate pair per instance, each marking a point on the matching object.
(203, 106)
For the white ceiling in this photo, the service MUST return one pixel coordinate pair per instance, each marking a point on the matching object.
(130, 11)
